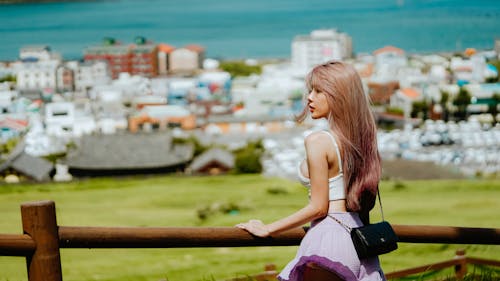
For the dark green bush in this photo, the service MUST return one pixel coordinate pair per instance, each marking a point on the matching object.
(398, 185)
(277, 190)
(228, 208)
(247, 159)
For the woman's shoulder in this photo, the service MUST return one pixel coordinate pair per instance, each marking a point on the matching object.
(320, 134)
(318, 137)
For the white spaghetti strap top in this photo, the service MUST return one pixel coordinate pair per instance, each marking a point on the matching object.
(335, 184)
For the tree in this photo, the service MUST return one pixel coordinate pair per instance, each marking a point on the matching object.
(445, 97)
(461, 101)
(496, 64)
(247, 159)
(493, 107)
(420, 109)
(8, 78)
(8, 146)
(492, 79)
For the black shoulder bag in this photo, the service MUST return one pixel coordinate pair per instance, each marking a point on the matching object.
(373, 239)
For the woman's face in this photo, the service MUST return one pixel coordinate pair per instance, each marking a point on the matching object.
(317, 103)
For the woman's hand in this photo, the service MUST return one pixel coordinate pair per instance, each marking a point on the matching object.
(255, 227)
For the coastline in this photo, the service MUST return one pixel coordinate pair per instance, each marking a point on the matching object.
(280, 59)
(267, 33)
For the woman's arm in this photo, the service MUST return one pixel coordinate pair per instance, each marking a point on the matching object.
(316, 145)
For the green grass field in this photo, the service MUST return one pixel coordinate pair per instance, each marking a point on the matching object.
(176, 200)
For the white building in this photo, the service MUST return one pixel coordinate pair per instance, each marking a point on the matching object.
(404, 99)
(35, 53)
(388, 62)
(243, 88)
(218, 84)
(164, 111)
(473, 70)
(41, 142)
(59, 118)
(271, 94)
(37, 75)
(123, 89)
(89, 74)
(69, 120)
(37, 69)
(180, 90)
(438, 74)
(6, 99)
(65, 79)
(188, 58)
(480, 93)
(320, 46)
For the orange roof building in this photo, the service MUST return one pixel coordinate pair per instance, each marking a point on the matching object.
(164, 51)
(410, 93)
(404, 99)
(380, 93)
(165, 48)
(366, 71)
(195, 48)
(389, 49)
(470, 51)
(187, 59)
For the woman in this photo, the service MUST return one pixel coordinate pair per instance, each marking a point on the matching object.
(342, 171)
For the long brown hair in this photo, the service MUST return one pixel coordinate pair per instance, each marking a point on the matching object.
(353, 124)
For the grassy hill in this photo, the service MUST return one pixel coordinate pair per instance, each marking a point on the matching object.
(225, 201)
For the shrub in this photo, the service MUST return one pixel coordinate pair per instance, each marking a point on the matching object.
(240, 68)
(276, 190)
(199, 148)
(395, 111)
(247, 159)
(398, 185)
(8, 146)
(228, 208)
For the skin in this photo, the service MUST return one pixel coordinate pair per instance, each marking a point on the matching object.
(322, 164)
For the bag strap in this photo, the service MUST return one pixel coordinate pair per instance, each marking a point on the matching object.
(348, 228)
(380, 203)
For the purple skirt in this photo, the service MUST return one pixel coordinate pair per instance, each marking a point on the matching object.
(329, 245)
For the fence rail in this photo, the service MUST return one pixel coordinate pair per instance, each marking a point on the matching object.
(16, 245)
(459, 262)
(43, 238)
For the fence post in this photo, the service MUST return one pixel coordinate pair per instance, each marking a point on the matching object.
(39, 222)
(461, 267)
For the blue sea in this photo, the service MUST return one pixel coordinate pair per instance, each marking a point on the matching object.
(250, 29)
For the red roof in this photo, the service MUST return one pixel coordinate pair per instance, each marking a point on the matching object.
(463, 68)
(367, 71)
(410, 92)
(389, 49)
(195, 48)
(470, 51)
(165, 48)
(16, 124)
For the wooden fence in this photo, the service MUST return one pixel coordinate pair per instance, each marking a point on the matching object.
(43, 238)
(459, 263)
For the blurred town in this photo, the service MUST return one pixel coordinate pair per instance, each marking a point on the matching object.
(145, 107)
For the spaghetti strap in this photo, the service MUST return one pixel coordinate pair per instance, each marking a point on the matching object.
(336, 148)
